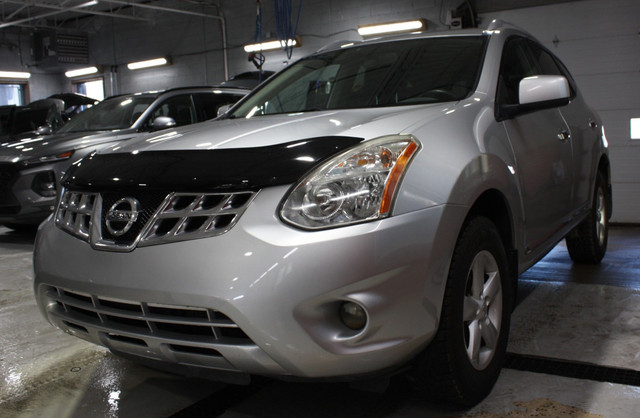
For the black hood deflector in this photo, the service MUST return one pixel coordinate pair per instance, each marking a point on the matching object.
(204, 170)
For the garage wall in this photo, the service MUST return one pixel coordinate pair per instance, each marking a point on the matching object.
(15, 55)
(191, 42)
(323, 22)
(194, 43)
(599, 41)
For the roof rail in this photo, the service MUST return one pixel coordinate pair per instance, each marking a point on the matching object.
(338, 44)
(496, 24)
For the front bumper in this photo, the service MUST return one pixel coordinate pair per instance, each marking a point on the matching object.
(19, 202)
(262, 298)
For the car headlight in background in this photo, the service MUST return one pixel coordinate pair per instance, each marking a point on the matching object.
(49, 158)
(355, 186)
(45, 184)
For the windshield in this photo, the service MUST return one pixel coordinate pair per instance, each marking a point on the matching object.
(405, 72)
(111, 114)
(29, 119)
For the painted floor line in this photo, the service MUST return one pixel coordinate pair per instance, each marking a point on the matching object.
(573, 369)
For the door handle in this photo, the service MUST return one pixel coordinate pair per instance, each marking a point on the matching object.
(564, 135)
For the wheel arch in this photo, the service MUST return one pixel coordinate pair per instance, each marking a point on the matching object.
(493, 205)
(604, 169)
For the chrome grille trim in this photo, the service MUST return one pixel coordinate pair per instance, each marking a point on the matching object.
(140, 320)
(185, 216)
(75, 212)
(180, 217)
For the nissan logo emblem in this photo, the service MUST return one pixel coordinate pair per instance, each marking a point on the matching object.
(122, 215)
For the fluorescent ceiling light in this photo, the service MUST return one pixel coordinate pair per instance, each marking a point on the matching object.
(392, 27)
(81, 71)
(271, 45)
(635, 128)
(14, 74)
(156, 62)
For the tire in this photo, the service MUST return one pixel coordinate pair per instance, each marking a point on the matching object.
(587, 242)
(26, 228)
(463, 362)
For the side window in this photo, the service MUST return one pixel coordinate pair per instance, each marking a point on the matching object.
(180, 108)
(516, 64)
(550, 65)
(207, 104)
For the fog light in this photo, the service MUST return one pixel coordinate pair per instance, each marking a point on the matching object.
(353, 315)
(44, 184)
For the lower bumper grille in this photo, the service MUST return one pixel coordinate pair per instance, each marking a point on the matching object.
(190, 329)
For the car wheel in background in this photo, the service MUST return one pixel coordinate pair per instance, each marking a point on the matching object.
(587, 243)
(22, 227)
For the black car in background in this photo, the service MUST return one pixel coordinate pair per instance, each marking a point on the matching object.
(41, 117)
(31, 167)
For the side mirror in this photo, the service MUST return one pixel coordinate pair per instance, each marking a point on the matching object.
(536, 93)
(223, 109)
(44, 130)
(543, 88)
(162, 122)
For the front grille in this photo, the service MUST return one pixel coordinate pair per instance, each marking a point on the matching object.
(149, 203)
(75, 212)
(133, 322)
(8, 174)
(148, 218)
(9, 205)
(190, 216)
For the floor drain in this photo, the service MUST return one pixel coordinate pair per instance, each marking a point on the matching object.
(567, 368)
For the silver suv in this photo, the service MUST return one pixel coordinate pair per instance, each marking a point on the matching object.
(31, 166)
(366, 210)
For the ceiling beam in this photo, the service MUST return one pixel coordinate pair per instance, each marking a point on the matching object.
(161, 8)
(61, 9)
(223, 25)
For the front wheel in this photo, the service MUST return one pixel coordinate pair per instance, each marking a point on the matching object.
(463, 362)
(587, 242)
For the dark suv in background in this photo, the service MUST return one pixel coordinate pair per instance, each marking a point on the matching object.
(30, 168)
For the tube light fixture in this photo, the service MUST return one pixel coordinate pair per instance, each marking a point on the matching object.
(81, 71)
(272, 45)
(392, 27)
(14, 74)
(635, 128)
(156, 62)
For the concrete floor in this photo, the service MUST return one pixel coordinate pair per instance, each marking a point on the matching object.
(580, 315)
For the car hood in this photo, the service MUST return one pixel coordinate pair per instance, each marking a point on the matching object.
(241, 154)
(279, 129)
(28, 147)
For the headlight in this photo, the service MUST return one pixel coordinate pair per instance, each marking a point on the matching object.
(355, 186)
(44, 184)
(49, 158)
